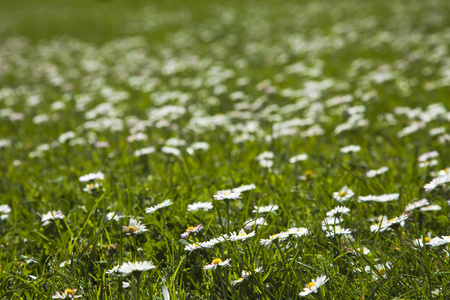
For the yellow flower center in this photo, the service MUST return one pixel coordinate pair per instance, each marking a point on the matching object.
(242, 234)
(196, 245)
(391, 220)
(309, 174)
(190, 228)
(382, 271)
(342, 194)
(427, 239)
(70, 292)
(310, 285)
(131, 229)
(216, 261)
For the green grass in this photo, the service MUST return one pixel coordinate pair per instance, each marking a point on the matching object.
(233, 75)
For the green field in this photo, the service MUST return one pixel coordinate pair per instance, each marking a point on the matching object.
(303, 146)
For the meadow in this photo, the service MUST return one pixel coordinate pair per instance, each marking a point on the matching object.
(224, 150)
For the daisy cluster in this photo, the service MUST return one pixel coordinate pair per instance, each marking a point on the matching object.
(227, 151)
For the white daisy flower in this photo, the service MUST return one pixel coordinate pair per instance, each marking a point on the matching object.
(224, 195)
(299, 157)
(5, 209)
(379, 198)
(192, 229)
(92, 176)
(344, 194)
(216, 263)
(171, 150)
(314, 285)
(337, 230)
(151, 210)
(192, 247)
(144, 151)
(133, 267)
(115, 216)
(351, 148)
(199, 205)
(433, 207)
(244, 188)
(426, 156)
(416, 204)
(249, 224)
(338, 210)
(298, 231)
(265, 209)
(51, 215)
(439, 241)
(115, 269)
(373, 173)
(67, 294)
(242, 236)
(330, 222)
(134, 227)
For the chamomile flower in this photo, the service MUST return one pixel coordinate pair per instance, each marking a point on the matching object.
(343, 195)
(299, 157)
(249, 224)
(135, 267)
(242, 236)
(417, 204)
(217, 263)
(244, 188)
(151, 210)
(114, 270)
(351, 148)
(314, 285)
(134, 227)
(4, 211)
(192, 229)
(115, 216)
(265, 209)
(225, 195)
(337, 230)
(298, 231)
(338, 211)
(192, 247)
(373, 173)
(433, 207)
(379, 198)
(199, 205)
(51, 215)
(92, 176)
(67, 294)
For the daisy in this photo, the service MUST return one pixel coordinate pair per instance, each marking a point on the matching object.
(299, 157)
(4, 211)
(244, 188)
(381, 269)
(344, 194)
(144, 151)
(434, 207)
(192, 229)
(396, 222)
(92, 176)
(373, 173)
(224, 195)
(151, 210)
(242, 236)
(351, 148)
(116, 216)
(297, 231)
(199, 205)
(337, 230)
(381, 225)
(329, 222)
(90, 188)
(217, 262)
(249, 224)
(380, 198)
(51, 215)
(265, 209)
(134, 227)
(67, 294)
(114, 270)
(192, 247)
(314, 285)
(338, 210)
(136, 267)
(171, 150)
(417, 204)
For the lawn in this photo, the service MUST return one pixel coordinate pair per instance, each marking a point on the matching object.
(224, 150)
